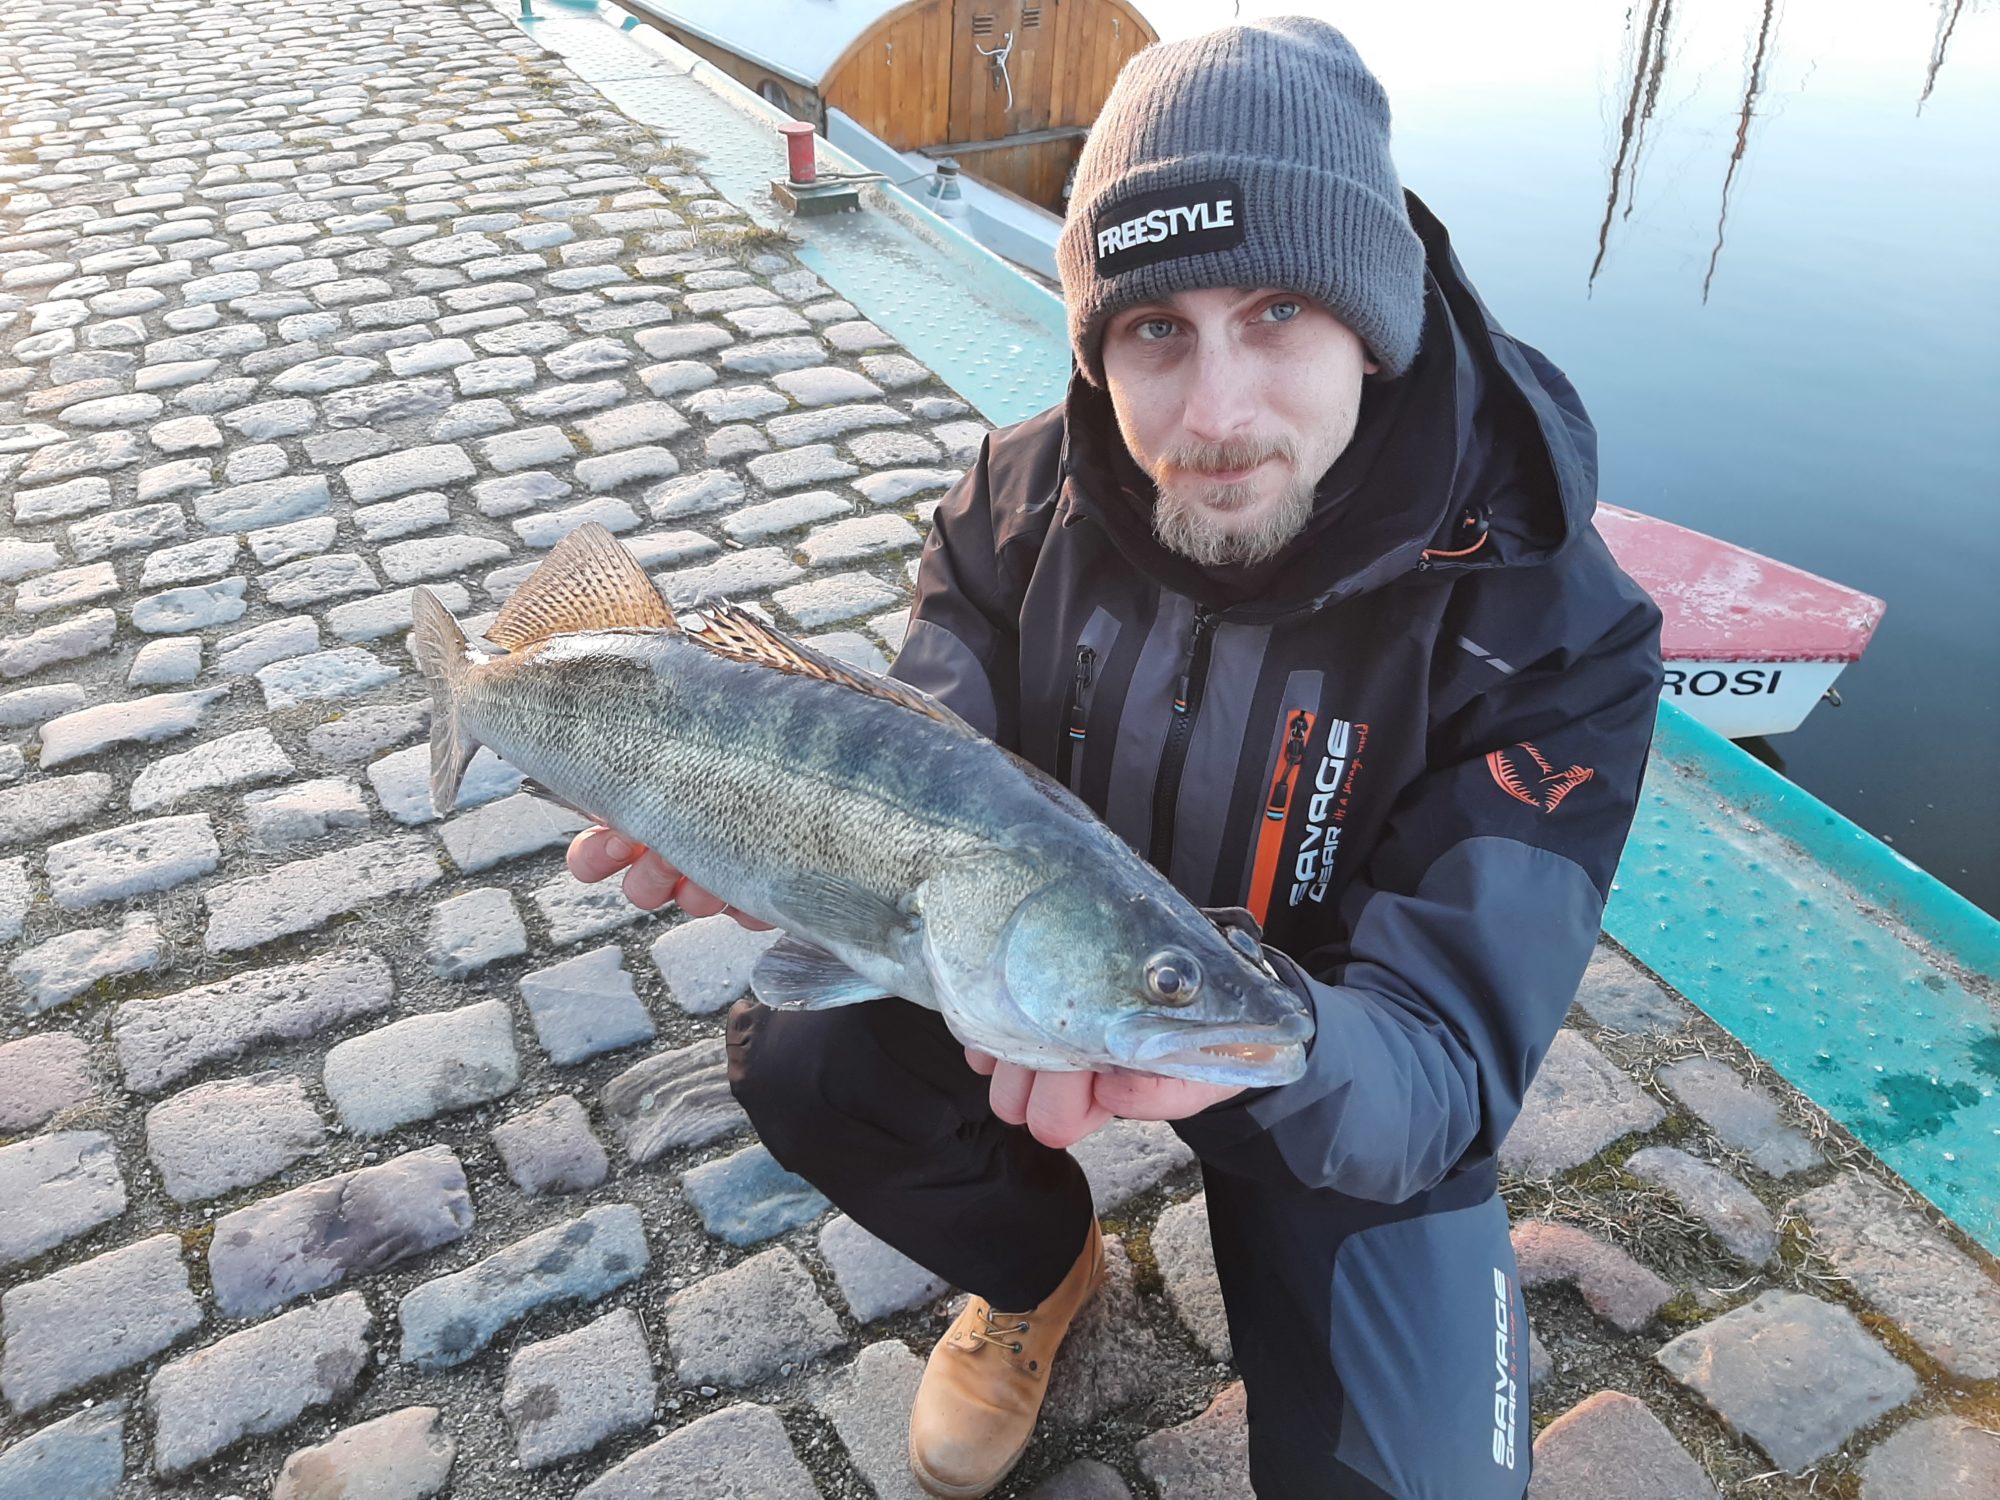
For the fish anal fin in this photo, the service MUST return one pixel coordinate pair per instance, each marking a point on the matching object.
(731, 631)
(589, 582)
(535, 789)
(794, 974)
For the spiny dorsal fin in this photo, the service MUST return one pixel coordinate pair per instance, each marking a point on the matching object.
(729, 631)
(589, 582)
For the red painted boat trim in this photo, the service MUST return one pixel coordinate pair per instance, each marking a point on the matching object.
(1726, 603)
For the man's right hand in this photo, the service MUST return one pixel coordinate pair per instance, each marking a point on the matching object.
(650, 882)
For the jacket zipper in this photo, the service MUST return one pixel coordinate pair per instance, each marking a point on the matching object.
(1173, 758)
(1076, 715)
(1277, 812)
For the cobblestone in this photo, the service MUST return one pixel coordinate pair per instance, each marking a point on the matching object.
(79, 1458)
(1127, 1157)
(1187, 1264)
(1611, 1444)
(549, 1149)
(874, 1278)
(282, 818)
(566, 1395)
(1909, 1272)
(300, 897)
(56, 1187)
(1745, 1117)
(869, 1406)
(230, 1134)
(148, 856)
(288, 1246)
(1729, 1209)
(401, 1456)
(91, 1320)
(1795, 1375)
(740, 1325)
(1940, 1458)
(31, 812)
(506, 830)
(66, 640)
(41, 1076)
(747, 1198)
(162, 1040)
(673, 1099)
(1617, 1288)
(57, 971)
(743, 1447)
(413, 1069)
(256, 1381)
(447, 1321)
(584, 1006)
(1578, 1104)
(475, 929)
(706, 963)
(1207, 1458)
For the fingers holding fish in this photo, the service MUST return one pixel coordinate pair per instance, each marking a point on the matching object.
(650, 882)
(1148, 1096)
(1059, 1109)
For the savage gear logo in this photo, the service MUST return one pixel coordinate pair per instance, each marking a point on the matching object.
(1524, 774)
(1506, 1372)
(1326, 814)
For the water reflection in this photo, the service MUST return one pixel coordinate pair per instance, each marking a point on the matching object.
(1649, 66)
(1947, 23)
(1750, 91)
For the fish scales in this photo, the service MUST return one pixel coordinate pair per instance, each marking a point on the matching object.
(749, 775)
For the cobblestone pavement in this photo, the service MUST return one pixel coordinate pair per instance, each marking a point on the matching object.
(346, 1148)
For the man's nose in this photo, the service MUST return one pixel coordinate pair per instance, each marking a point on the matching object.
(1220, 401)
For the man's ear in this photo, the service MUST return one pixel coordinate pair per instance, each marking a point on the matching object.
(1369, 367)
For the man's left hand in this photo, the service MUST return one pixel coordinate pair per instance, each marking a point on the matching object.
(1060, 1109)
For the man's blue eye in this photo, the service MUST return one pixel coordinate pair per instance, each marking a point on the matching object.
(1283, 312)
(1155, 328)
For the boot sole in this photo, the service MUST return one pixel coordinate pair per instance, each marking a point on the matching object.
(932, 1485)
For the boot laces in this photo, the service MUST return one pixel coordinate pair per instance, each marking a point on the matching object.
(998, 1337)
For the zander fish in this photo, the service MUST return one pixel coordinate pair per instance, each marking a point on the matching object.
(902, 852)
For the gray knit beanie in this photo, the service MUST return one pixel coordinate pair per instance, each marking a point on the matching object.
(1253, 156)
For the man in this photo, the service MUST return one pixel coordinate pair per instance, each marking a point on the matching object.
(1298, 588)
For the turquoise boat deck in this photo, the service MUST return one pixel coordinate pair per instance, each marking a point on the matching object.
(1863, 981)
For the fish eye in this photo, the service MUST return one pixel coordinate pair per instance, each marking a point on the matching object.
(1173, 978)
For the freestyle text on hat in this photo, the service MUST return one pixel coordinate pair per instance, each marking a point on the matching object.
(1252, 156)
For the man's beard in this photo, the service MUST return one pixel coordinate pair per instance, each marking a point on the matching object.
(1198, 529)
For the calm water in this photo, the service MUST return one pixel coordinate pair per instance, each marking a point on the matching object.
(1786, 324)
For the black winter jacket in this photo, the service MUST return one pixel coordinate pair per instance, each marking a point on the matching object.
(1411, 746)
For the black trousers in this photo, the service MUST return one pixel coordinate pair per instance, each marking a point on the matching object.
(1383, 1347)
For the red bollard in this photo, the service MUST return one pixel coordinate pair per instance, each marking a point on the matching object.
(798, 136)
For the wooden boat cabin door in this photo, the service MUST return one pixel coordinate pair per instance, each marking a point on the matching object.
(1000, 67)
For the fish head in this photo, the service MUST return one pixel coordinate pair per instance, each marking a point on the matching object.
(1132, 973)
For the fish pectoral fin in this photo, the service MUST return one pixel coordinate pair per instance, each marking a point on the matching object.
(589, 582)
(847, 912)
(794, 974)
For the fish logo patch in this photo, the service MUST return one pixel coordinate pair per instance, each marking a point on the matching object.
(1523, 773)
(1198, 219)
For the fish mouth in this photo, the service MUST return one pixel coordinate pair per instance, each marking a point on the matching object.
(1263, 1054)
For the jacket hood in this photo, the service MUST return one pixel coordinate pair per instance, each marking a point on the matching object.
(1479, 456)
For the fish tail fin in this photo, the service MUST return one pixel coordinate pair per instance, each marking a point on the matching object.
(444, 657)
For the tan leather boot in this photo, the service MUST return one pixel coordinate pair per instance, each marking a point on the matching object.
(983, 1387)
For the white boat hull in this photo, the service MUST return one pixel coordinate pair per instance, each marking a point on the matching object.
(1742, 699)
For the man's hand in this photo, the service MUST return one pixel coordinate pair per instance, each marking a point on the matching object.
(650, 881)
(1060, 1109)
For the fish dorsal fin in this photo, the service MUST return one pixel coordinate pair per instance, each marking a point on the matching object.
(589, 582)
(731, 631)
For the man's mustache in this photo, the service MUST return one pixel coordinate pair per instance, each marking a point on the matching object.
(1226, 457)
